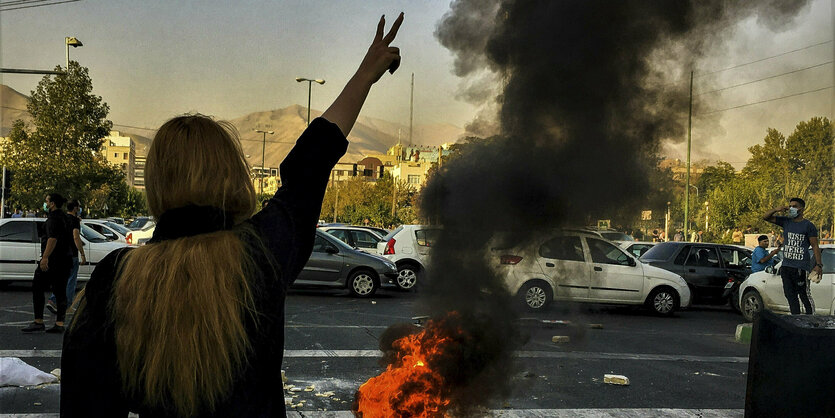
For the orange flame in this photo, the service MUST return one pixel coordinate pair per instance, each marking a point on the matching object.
(409, 387)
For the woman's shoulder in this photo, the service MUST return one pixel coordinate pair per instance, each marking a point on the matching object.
(104, 273)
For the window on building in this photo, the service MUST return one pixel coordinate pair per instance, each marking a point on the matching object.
(340, 172)
(414, 179)
(124, 156)
(273, 172)
(115, 155)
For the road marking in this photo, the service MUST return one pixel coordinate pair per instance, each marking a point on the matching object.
(523, 413)
(575, 355)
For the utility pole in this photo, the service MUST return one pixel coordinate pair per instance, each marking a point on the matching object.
(3, 195)
(411, 108)
(687, 189)
(263, 157)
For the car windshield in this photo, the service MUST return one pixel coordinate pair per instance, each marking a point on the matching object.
(138, 223)
(118, 228)
(90, 235)
(659, 252)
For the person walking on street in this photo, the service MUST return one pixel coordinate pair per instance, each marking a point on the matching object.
(17, 213)
(798, 235)
(737, 237)
(762, 258)
(77, 249)
(192, 323)
(772, 239)
(54, 267)
(678, 236)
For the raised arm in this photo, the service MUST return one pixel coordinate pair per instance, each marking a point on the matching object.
(379, 58)
(771, 216)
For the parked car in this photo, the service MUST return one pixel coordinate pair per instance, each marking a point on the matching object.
(636, 248)
(616, 236)
(356, 237)
(583, 267)
(143, 229)
(20, 249)
(141, 222)
(764, 289)
(111, 230)
(380, 231)
(334, 264)
(408, 247)
(117, 220)
(706, 267)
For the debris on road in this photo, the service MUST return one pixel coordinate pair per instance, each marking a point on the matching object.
(560, 339)
(596, 326)
(616, 379)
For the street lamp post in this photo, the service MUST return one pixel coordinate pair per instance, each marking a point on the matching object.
(309, 90)
(263, 156)
(71, 41)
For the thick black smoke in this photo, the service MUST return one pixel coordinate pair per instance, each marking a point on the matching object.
(584, 98)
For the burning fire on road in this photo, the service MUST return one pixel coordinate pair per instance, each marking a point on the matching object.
(431, 371)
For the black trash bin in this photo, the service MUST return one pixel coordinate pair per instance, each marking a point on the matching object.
(791, 368)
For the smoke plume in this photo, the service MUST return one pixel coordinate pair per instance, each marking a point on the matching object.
(586, 92)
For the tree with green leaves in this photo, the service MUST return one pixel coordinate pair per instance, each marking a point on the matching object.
(780, 168)
(358, 199)
(60, 151)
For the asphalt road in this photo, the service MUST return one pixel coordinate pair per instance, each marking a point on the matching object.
(687, 365)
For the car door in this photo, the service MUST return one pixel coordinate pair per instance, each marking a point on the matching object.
(704, 272)
(19, 250)
(364, 240)
(563, 259)
(325, 263)
(615, 276)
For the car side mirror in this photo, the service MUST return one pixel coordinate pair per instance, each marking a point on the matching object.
(632, 262)
(331, 250)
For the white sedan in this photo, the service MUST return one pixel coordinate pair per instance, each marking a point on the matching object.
(583, 267)
(764, 289)
(20, 249)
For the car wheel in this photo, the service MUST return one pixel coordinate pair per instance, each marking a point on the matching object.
(752, 305)
(407, 276)
(535, 295)
(362, 284)
(663, 301)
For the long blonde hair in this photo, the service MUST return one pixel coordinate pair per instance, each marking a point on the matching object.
(180, 306)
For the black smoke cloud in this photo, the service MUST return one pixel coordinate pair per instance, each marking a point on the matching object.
(583, 106)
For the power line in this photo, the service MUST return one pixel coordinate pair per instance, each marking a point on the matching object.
(764, 59)
(5, 9)
(766, 78)
(765, 101)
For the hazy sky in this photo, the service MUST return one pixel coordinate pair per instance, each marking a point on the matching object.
(151, 60)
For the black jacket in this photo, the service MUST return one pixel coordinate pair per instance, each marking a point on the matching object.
(91, 383)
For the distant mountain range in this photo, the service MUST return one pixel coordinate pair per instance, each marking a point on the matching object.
(369, 135)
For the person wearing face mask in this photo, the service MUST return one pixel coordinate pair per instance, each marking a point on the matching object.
(54, 268)
(798, 234)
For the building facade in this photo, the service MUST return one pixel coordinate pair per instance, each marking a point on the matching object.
(121, 151)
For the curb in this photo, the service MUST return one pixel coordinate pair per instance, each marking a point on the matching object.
(743, 333)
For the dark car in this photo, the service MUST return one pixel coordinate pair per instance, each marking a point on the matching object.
(706, 267)
(334, 264)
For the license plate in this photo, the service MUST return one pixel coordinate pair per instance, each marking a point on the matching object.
(729, 285)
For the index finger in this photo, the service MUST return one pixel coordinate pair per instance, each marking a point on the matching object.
(380, 25)
(394, 28)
